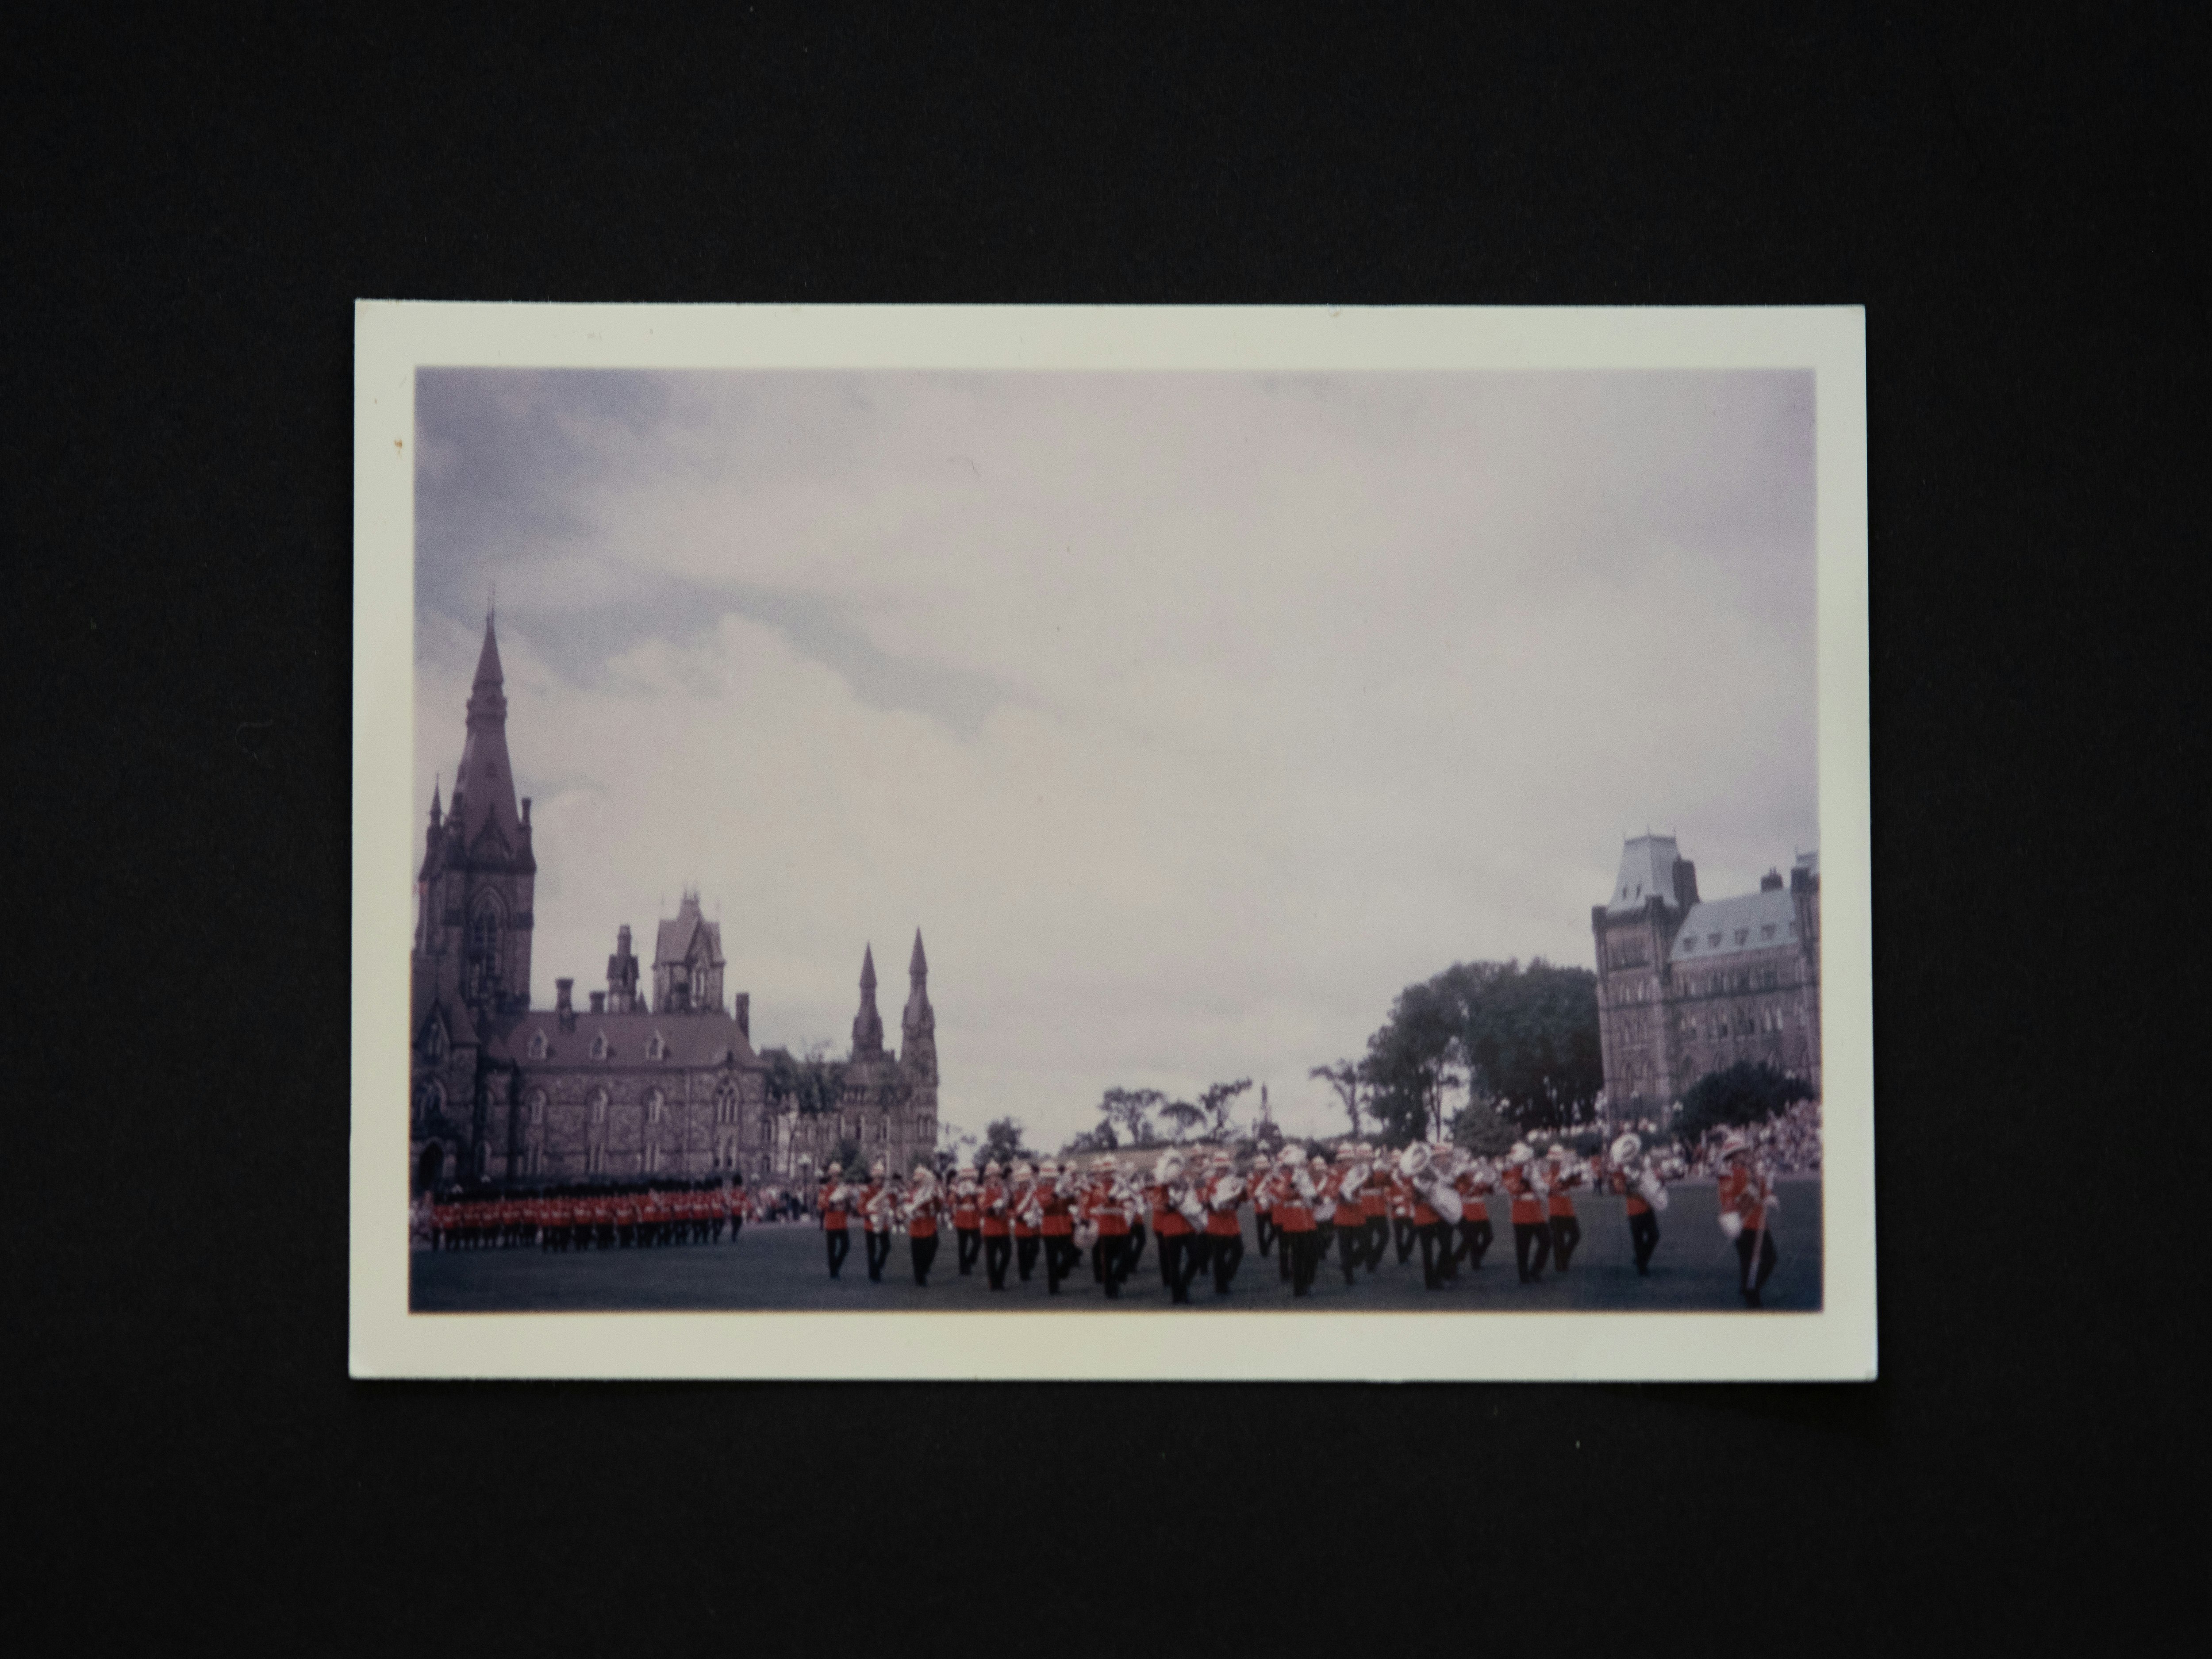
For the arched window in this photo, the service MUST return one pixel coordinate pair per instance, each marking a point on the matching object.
(599, 1108)
(653, 1105)
(726, 1102)
(538, 1045)
(598, 1045)
(434, 1043)
(429, 1100)
(483, 946)
(537, 1107)
(656, 1047)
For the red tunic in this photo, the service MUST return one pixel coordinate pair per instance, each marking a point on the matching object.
(1292, 1213)
(922, 1217)
(1016, 1202)
(993, 1206)
(1738, 1190)
(1560, 1202)
(1221, 1220)
(1059, 1216)
(1527, 1206)
(833, 1219)
(1167, 1220)
(1348, 1211)
(1375, 1195)
(967, 1211)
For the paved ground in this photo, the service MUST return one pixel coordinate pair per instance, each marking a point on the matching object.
(782, 1267)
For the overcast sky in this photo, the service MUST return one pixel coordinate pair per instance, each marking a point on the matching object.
(1189, 716)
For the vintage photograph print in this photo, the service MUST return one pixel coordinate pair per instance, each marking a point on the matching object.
(1179, 844)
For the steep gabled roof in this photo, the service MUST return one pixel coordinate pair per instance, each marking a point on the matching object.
(1647, 872)
(1765, 921)
(673, 940)
(695, 1041)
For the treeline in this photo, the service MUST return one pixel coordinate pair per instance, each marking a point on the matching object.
(1521, 1041)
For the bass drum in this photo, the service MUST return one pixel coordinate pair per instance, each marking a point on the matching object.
(1445, 1201)
(1086, 1235)
(1651, 1190)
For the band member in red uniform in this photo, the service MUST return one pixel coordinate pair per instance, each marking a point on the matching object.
(1319, 1172)
(967, 1217)
(1748, 1204)
(1417, 1168)
(1343, 1191)
(734, 1204)
(1472, 1182)
(1024, 1208)
(1162, 1191)
(1566, 1228)
(1055, 1208)
(878, 1201)
(1106, 1204)
(1262, 1181)
(1293, 1196)
(995, 1202)
(1532, 1233)
(1400, 1192)
(1636, 1182)
(922, 1209)
(833, 1201)
(1224, 1232)
(1375, 1203)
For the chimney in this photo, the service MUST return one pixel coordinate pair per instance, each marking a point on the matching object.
(564, 1006)
(1686, 883)
(744, 999)
(599, 1002)
(1771, 882)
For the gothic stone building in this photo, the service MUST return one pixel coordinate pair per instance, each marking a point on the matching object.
(1688, 986)
(632, 1085)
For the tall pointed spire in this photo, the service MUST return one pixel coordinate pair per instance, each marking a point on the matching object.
(918, 1025)
(867, 1025)
(483, 784)
(918, 965)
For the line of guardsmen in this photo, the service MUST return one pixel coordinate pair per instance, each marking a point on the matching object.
(599, 1217)
(1365, 1202)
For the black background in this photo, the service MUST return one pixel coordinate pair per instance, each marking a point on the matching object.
(194, 209)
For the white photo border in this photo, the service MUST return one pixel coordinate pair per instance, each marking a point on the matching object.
(392, 339)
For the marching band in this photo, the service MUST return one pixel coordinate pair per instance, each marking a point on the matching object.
(1429, 1196)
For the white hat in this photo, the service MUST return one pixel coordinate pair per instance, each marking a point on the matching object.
(993, 1167)
(1366, 1149)
(879, 1167)
(1732, 1143)
(1050, 1168)
(922, 1172)
(1222, 1160)
(1023, 1171)
(965, 1168)
(1519, 1152)
(836, 1169)
(1346, 1152)
(1103, 1162)
(1287, 1158)
(1555, 1151)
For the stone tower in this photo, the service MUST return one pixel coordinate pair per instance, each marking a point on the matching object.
(477, 875)
(867, 1025)
(918, 1035)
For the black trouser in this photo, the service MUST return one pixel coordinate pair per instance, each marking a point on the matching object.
(1060, 1257)
(1114, 1260)
(1350, 1245)
(997, 1249)
(1378, 1240)
(1566, 1233)
(1025, 1255)
(1305, 1247)
(1265, 1227)
(1135, 1251)
(1434, 1244)
(1404, 1227)
(1225, 1252)
(1643, 1238)
(1474, 1237)
(879, 1252)
(1283, 1253)
(1178, 1260)
(1745, 1244)
(970, 1244)
(737, 1226)
(840, 1243)
(1531, 1238)
(924, 1251)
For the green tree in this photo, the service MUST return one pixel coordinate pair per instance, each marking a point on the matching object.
(1183, 1115)
(812, 1085)
(1477, 1127)
(1002, 1140)
(1748, 1092)
(1346, 1078)
(1411, 1062)
(1218, 1102)
(1129, 1111)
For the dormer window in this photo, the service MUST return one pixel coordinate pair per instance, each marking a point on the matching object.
(598, 1045)
(1713, 941)
(538, 1045)
(434, 1040)
(1689, 945)
(656, 1047)
(1766, 932)
(1741, 934)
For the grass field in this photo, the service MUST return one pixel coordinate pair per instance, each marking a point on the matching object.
(781, 1269)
